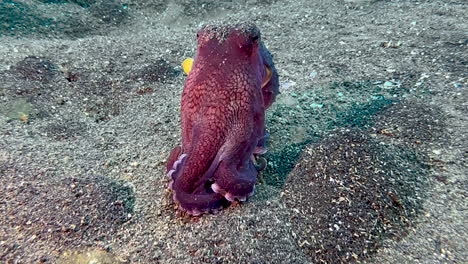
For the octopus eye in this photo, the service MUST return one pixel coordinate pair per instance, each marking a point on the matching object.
(255, 38)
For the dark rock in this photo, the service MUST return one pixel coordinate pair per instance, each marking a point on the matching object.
(72, 77)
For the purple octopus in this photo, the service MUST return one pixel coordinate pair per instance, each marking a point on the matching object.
(232, 82)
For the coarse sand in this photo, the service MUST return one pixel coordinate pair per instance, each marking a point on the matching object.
(367, 159)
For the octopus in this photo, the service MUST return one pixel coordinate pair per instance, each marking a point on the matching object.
(231, 84)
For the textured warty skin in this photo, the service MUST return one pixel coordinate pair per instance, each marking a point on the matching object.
(232, 82)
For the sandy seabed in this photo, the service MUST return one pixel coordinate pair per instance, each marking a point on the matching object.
(367, 159)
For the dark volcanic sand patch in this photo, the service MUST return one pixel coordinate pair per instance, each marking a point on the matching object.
(45, 215)
(36, 68)
(349, 192)
(158, 71)
(357, 187)
(411, 122)
(64, 129)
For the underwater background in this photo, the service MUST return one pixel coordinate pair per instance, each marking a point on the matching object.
(367, 155)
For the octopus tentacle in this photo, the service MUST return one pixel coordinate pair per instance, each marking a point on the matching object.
(176, 167)
(259, 162)
(230, 197)
(202, 200)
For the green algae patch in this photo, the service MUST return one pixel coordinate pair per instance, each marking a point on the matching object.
(302, 117)
(19, 109)
(90, 256)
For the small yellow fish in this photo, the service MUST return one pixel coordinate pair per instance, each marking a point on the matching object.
(187, 65)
